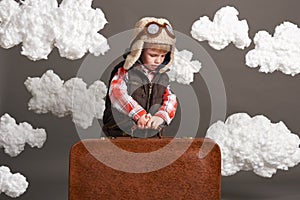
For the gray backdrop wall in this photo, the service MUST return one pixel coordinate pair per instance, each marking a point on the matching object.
(275, 95)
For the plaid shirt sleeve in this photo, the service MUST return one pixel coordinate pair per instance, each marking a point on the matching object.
(120, 99)
(169, 106)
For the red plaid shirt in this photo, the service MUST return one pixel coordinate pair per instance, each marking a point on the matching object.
(124, 103)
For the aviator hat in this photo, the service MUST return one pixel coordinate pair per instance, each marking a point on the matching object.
(151, 30)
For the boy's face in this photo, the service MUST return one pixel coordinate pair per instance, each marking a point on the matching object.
(152, 58)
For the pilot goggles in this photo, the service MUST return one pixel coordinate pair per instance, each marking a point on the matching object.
(153, 29)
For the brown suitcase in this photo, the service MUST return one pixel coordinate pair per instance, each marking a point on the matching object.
(128, 168)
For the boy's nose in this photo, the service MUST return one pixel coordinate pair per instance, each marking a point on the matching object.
(158, 60)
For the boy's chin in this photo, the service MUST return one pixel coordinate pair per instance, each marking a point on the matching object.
(152, 68)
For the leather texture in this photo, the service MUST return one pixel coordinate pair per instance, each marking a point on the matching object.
(196, 174)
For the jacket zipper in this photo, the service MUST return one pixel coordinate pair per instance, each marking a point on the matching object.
(149, 96)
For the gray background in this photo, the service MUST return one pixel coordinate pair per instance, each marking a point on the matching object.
(274, 95)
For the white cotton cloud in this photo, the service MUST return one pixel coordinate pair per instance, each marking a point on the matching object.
(224, 29)
(51, 94)
(183, 67)
(280, 52)
(255, 144)
(13, 137)
(40, 25)
(12, 185)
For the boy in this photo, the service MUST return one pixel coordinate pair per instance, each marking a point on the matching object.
(139, 101)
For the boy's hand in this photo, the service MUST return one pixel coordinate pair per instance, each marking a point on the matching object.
(154, 122)
(143, 120)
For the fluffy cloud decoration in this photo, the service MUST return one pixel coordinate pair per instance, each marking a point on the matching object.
(51, 94)
(40, 25)
(12, 185)
(280, 52)
(13, 137)
(255, 144)
(224, 29)
(183, 67)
